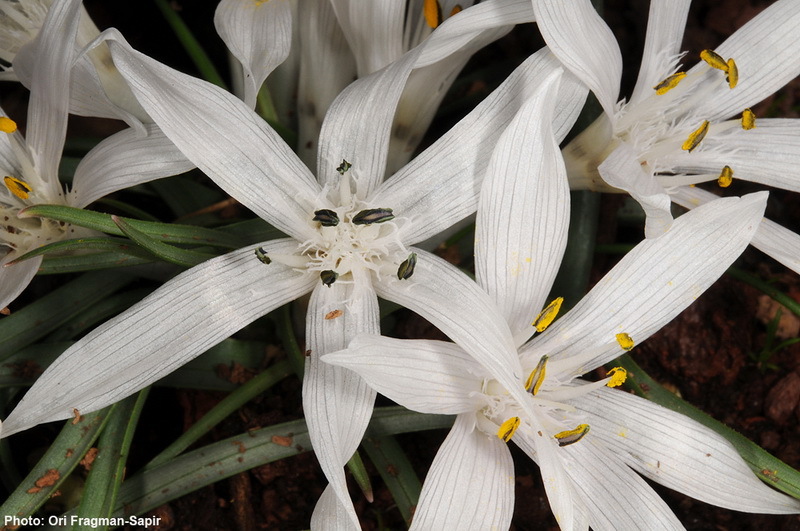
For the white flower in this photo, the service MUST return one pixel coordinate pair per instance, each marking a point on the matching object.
(584, 436)
(643, 145)
(30, 167)
(350, 232)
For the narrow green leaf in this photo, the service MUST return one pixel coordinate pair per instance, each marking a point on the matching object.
(767, 467)
(115, 245)
(56, 265)
(39, 318)
(52, 469)
(129, 210)
(254, 387)
(22, 368)
(173, 233)
(396, 471)
(108, 468)
(253, 231)
(98, 313)
(356, 467)
(165, 251)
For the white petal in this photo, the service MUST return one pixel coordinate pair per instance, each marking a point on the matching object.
(14, 279)
(258, 34)
(680, 453)
(330, 514)
(767, 53)
(337, 402)
(768, 154)
(421, 375)
(358, 125)
(653, 283)
(49, 101)
(581, 40)
(622, 170)
(441, 185)
(770, 238)
(179, 321)
(470, 485)
(226, 140)
(617, 498)
(452, 302)
(665, 25)
(327, 66)
(124, 160)
(523, 214)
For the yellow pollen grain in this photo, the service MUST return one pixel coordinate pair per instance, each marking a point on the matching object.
(7, 125)
(432, 12)
(508, 428)
(18, 187)
(565, 438)
(714, 60)
(696, 137)
(725, 177)
(456, 10)
(669, 83)
(536, 378)
(625, 341)
(748, 120)
(618, 377)
(733, 74)
(547, 315)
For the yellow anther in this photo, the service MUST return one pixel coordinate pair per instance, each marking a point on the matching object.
(565, 438)
(733, 74)
(714, 60)
(456, 10)
(536, 377)
(669, 83)
(618, 377)
(725, 177)
(18, 187)
(547, 315)
(508, 428)
(625, 341)
(696, 137)
(7, 125)
(748, 119)
(433, 13)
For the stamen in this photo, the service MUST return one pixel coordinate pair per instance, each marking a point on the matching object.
(669, 83)
(547, 315)
(565, 438)
(714, 60)
(343, 167)
(748, 119)
(433, 13)
(326, 218)
(328, 277)
(618, 377)
(373, 215)
(406, 268)
(261, 254)
(456, 10)
(7, 125)
(625, 341)
(696, 137)
(508, 428)
(726, 177)
(18, 187)
(733, 74)
(536, 377)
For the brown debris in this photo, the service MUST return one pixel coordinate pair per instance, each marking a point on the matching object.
(77, 415)
(49, 479)
(280, 440)
(88, 459)
(783, 398)
(334, 314)
(788, 324)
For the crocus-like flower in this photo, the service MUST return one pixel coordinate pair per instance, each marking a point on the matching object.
(350, 237)
(30, 166)
(585, 437)
(683, 127)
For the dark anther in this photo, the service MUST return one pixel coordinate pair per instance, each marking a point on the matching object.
(326, 218)
(261, 254)
(406, 269)
(373, 215)
(328, 277)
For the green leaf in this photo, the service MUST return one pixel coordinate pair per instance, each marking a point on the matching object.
(56, 464)
(22, 368)
(173, 233)
(396, 471)
(108, 469)
(114, 245)
(165, 251)
(186, 197)
(55, 265)
(39, 318)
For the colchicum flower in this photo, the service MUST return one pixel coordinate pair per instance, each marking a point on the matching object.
(683, 127)
(30, 166)
(588, 440)
(350, 239)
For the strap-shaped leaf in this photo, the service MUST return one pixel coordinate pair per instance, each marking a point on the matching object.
(164, 251)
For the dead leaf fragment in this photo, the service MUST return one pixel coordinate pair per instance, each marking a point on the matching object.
(334, 314)
(281, 440)
(89, 458)
(49, 479)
